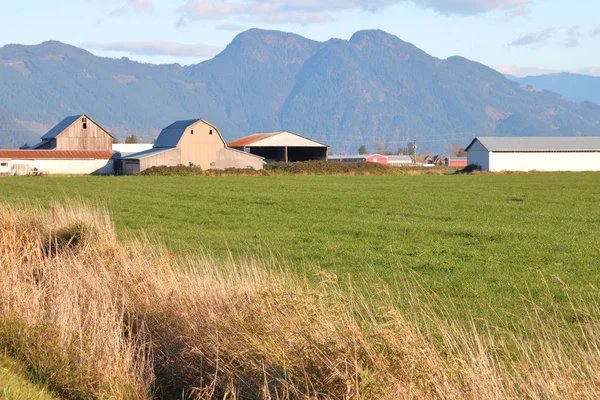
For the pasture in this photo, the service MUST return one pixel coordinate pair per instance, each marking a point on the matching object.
(487, 243)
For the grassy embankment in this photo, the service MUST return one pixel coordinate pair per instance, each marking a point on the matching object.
(95, 318)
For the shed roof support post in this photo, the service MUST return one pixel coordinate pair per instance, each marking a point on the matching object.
(286, 154)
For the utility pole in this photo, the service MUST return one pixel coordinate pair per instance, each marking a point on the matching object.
(415, 150)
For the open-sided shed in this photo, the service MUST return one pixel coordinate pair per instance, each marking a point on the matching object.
(281, 146)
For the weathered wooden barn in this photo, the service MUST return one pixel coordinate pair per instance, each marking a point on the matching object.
(78, 132)
(281, 146)
(83, 162)
(191, 143)
(535, 153)
(76, 145)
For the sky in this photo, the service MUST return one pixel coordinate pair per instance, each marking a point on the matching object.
(519, 37)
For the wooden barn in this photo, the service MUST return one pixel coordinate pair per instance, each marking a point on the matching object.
(190, 143)
(78, 132)
(281, 146)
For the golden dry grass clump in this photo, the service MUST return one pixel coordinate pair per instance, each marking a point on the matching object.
(94, 318)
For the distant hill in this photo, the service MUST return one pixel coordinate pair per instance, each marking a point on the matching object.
(572, 87)
(371, 88)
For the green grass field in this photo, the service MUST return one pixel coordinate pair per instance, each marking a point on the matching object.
(15, 386)
(485, 241)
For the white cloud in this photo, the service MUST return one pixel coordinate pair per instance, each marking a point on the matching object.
(573, 34)
(319, 11)
(515, 70)
(231, 27)
(596, 32)
(534, 38)
(157, 48)
(142, 5)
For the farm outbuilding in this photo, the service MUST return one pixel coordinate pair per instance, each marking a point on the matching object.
(347, 158)
(535, 153)
(281, 146)
(191, 143)
(392, 160)
(24, 162)
(456, 162)
(78, 132)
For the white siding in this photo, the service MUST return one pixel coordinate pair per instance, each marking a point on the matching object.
(5, 167)
(551, 161)
(131, 148)
(478, 155)
(66, 166)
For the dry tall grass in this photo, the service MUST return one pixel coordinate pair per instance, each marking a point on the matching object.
(98, 319)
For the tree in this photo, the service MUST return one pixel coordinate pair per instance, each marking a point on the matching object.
(363, 149)
(456, 150)
(131, 139)
(115, 140)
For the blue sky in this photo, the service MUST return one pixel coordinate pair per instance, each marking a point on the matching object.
(515, 36)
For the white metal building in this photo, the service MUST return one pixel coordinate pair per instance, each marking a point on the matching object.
(535, 153)
(76, 162)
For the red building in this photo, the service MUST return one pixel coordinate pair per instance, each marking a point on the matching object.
(456, 162)
(377, 158)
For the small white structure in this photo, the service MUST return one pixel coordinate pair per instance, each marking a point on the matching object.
(535, 153)
(76, 162)
(131, 148)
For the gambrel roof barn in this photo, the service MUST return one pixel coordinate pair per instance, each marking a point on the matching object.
(192, 143)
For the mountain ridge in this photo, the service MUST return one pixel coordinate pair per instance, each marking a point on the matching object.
(372, 89)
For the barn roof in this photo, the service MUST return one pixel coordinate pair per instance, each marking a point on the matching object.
(399, 158)
(171, 135)
(259, 139)
(55, 154)
(65, 123)
(146, 153)
(540, 143)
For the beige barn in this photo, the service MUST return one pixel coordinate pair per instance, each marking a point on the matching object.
(77, 132)
(191, 143)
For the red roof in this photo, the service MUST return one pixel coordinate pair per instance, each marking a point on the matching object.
(245, 141)
(56, 154)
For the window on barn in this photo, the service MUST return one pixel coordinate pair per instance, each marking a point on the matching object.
(3, 164)
(84, 120)
(192, 131)
(210, 132)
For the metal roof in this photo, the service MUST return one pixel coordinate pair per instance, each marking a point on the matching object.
(248, 141)
(171, 135)
(146, 153)
(399, 158)
(347, 157)
(65, 123)
(540, 143)
(55, 154)
(61, 126)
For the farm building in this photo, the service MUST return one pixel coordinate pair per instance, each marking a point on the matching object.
(281, 146)
(78, 132)
(535, 153)
(347, 158)
(194, 143)
(456, 162)
(77, 162)
(396, 160)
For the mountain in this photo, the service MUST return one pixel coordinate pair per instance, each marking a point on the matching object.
(573, 87)
(371, 88)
